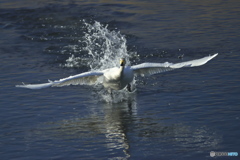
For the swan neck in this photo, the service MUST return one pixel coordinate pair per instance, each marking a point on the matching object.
(121, 70)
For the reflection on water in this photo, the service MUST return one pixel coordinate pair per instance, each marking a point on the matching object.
(109, 126)
(116, 120)
(110, 120)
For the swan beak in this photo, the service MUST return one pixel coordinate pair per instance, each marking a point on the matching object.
(122, 62)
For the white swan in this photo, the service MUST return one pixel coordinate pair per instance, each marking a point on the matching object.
(118, 78)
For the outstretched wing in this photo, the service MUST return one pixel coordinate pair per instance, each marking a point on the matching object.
(87, 78)
(146, 69)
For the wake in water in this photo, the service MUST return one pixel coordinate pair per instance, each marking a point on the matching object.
(104, 49)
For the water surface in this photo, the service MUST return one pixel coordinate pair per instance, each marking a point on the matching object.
(182, 114)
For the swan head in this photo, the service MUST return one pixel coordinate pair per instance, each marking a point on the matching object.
(122, 62)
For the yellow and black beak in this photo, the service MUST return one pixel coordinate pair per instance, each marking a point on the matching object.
(122, 62)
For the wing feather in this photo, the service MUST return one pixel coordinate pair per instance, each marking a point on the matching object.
(87, 78)
(146, 69)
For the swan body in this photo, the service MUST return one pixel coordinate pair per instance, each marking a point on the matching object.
(118, 78)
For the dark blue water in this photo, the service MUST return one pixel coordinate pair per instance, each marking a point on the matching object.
(182, 114)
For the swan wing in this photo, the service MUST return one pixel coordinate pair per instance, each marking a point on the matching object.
(146, 69)
(87, 78)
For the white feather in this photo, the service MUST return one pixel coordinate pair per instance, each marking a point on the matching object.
(146, 69)
(118, 78)
(87, 78)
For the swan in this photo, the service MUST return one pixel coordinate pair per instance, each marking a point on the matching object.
(118, 78)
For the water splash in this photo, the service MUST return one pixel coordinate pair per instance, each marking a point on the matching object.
(103, 49)
(103, 95)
